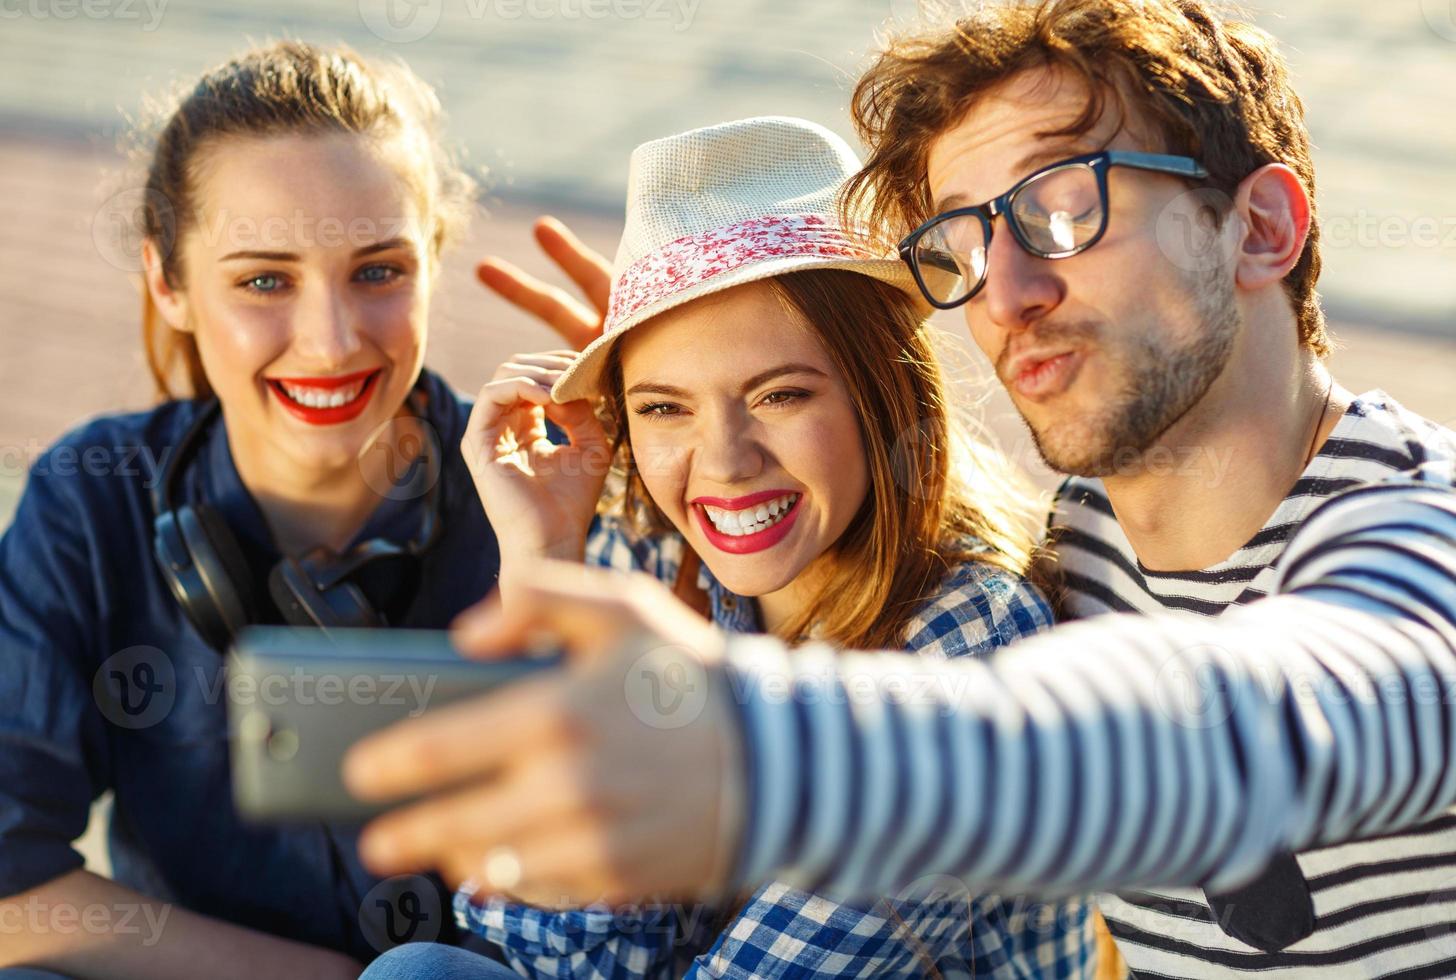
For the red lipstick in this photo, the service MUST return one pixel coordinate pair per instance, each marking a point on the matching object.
(746, 543)
(326, 415)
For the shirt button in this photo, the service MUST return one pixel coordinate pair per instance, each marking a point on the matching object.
(729, 602)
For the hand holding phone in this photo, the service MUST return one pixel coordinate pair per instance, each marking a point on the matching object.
(298, 698)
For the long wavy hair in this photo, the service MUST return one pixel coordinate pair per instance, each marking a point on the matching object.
(937, 496)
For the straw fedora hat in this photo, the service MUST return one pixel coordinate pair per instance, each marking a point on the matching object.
(714, 208)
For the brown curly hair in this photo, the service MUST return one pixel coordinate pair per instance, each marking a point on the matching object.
(1208, 87)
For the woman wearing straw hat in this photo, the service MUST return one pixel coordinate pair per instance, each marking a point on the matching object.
(766, 398)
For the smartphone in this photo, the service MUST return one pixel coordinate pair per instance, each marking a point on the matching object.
(299, 697)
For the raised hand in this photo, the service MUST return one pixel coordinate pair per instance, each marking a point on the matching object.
(539, 496)
(577, 323)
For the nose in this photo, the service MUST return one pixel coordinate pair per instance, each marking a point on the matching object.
(1020, 288)
(325, 328)
(728, 450)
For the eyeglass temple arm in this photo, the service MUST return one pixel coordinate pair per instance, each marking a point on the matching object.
(1159, 162)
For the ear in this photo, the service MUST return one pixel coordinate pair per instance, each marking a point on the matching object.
(1275, 210)
(170, 303)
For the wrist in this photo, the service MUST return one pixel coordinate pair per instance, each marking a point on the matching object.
(570, 549)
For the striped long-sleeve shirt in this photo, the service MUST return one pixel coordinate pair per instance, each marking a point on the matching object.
(783, 931)
(1244, 720)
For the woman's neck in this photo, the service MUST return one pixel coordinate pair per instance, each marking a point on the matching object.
(778, 609)
(305, 509)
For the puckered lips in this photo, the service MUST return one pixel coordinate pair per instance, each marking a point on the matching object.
(742, 525)
(1038, 375)
(326, 400)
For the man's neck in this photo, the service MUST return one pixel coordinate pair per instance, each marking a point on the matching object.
(1214, 479)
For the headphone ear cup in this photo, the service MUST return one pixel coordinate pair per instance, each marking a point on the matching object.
(221, 566)
(206, 571)
(179, 570)
(303, 602)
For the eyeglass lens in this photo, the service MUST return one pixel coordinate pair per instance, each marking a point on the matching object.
(1057, 213)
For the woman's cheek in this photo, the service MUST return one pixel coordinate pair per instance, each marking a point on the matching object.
(237, 341)
(662, 464)
(830, 459)
(397, 320)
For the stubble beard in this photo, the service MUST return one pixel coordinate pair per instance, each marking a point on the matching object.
(1161, 381)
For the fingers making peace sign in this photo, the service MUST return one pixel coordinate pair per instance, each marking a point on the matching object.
(576, 322)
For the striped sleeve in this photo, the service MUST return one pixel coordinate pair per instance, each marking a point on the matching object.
(1128, 751)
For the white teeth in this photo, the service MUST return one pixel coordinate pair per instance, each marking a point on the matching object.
(323, 397)
(737, 523)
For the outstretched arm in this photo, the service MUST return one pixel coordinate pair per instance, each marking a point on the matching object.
(1116, 752)
(1126, 750)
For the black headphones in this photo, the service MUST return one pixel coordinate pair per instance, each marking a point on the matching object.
(208, 574)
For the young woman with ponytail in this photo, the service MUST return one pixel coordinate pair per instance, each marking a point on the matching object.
(296, 204)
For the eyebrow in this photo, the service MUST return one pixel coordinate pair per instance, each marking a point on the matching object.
(1037, 159)
(384, 246)
(658, 388)
(1026, 166)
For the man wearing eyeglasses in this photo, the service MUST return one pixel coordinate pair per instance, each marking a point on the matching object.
(1256, 755)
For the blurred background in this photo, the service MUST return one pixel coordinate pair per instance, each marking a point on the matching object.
(548, 97)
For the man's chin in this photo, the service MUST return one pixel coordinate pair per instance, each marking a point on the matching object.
(1078, 450)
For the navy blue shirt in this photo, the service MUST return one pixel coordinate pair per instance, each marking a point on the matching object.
(79, 584)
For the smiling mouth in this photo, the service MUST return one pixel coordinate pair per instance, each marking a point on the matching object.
(317, 393)
(326, 401)
(750, 520)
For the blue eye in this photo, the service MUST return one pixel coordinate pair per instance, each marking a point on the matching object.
(265, 283)
(378, 274)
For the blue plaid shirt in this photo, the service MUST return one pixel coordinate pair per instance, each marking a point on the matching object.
(784, 931)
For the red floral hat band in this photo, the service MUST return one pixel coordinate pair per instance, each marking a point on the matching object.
(694, 260)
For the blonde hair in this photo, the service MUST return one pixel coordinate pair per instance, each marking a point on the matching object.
(284, 88)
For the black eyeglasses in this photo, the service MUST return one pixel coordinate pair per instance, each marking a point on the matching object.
(1057, 212)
